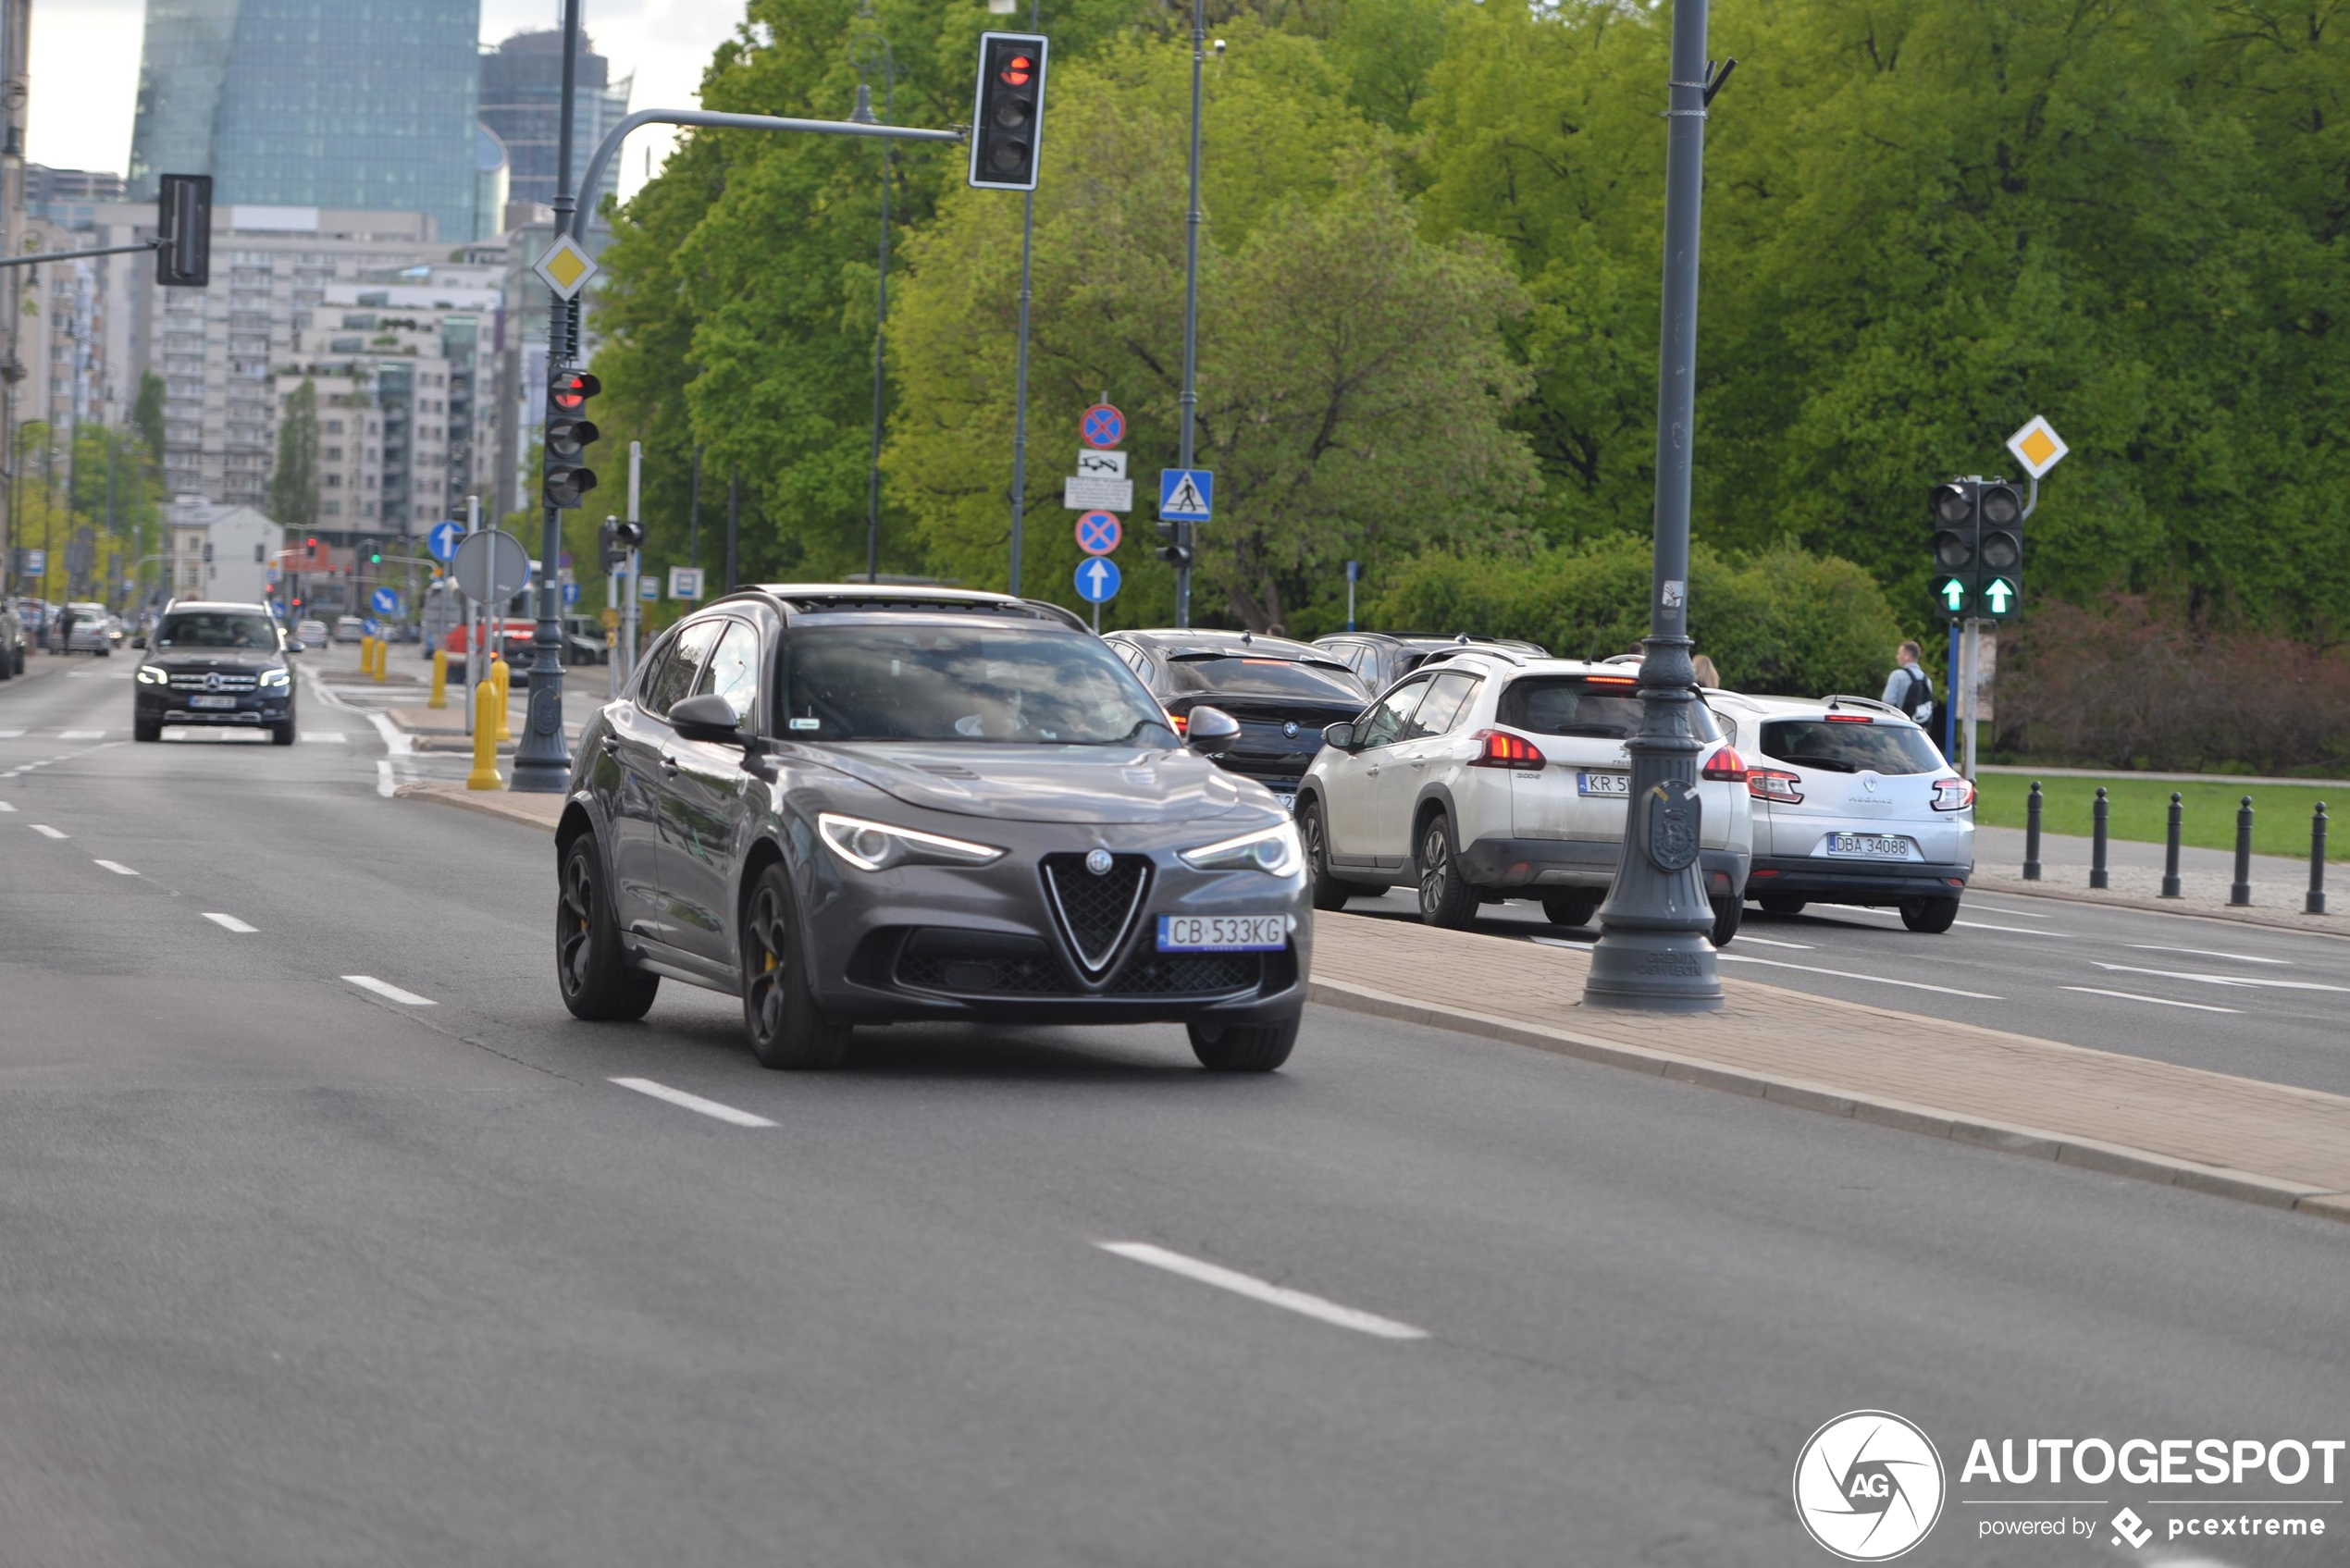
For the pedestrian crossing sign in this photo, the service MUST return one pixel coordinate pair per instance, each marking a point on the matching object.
(1185, 495)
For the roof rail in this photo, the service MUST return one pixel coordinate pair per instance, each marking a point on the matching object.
(1842, 697)
(1475, 651)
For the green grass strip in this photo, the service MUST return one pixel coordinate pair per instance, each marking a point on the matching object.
(2140, 809)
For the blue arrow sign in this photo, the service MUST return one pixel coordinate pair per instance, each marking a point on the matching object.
(1097, 580)
(571, 593)
(369, 626)
(384, 602)
(1098, 532)
(443, 539)
(1185, 495)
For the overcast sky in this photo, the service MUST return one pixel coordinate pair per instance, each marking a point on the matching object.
(85, 68)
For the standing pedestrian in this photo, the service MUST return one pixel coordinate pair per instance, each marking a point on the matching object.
(1909, 688)
(1707, 676)
(65, 630)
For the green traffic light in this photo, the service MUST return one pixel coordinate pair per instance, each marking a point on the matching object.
(1952, 595)
(1999, 594)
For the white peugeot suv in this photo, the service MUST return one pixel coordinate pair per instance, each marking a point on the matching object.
(1852, 805)
(1486, 775)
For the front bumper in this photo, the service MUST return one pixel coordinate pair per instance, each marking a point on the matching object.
(1855, 882)
(162, 707)
(1529, 866)
(985, 944)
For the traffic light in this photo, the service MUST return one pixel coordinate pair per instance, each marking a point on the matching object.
(610, 553)
(629, 535)
(569, 434)
(1007, 111)
(1177, 550)
(1998, 578)
(1955, 538)
(183, 230)
(374, 553)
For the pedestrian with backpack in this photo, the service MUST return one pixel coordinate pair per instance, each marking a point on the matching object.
(1909, 688)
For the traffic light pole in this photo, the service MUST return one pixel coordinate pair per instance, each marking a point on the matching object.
(1652, 955)
(542, 758)
(1183, 534)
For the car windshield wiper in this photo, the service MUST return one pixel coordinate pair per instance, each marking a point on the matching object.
(1833, 764)
(1136, 729)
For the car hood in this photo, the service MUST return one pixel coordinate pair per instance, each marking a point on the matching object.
(1044, 784)
(215, 659)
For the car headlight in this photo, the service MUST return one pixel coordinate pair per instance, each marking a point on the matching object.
(1274, 851)
(874, 847)
(153, 675)
(276, 677)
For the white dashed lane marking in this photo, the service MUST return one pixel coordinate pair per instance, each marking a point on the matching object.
(117, 868)
(2011, 930)
(1847, 974)
(2209, 953)
(81, 734)
(1264, 1291)
(6, 806)
(10, 735)
(2252, 983)
(227, 923)
(693, 1102)
(45, 831)
(2158, 1001)
(388, 991)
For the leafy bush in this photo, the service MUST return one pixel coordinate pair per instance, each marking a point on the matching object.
(1784, 622)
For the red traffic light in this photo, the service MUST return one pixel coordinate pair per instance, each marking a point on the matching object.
(569, 390)
(1017, 70)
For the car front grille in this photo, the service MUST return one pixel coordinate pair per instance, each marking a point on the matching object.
(1095, 912)
(220, 680)
(984, 965)
(989, 975)
(1171, 974)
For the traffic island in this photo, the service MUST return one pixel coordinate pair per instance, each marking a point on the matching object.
(532, 811)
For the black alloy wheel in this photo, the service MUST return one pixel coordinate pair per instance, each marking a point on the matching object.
(780, 1014)
(1931, 916)
(1244, 1048)
(595, 978)
(1329, 892)
(1446, 898)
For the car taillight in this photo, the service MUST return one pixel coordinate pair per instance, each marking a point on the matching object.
(1727, 765)
(1952, 795)
(1498, 748)
(1773, 784)
(1182, 722)
(1850, 719)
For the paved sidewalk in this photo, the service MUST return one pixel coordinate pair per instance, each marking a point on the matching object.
(2127, 1115)
(2134, 874)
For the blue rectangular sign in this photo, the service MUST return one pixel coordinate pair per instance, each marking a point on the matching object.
(1186, 495)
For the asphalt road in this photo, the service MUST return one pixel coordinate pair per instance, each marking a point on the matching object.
(298, 1270)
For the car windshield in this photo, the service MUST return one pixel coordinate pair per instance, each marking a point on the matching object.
(1012, 686)
(1847, 748)
(216, 628)
(1247, 675)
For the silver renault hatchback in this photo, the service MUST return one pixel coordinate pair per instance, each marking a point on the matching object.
(1852, 805)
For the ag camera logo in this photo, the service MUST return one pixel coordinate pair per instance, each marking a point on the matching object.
(1869, 1486)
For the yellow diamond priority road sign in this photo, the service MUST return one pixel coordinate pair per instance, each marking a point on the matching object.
(2037, 446)
(565, 267)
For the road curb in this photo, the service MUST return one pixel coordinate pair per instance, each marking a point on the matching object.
(540, 812)
(2307, 925)
(2112, 1159)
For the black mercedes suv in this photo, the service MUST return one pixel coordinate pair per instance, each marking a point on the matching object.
(211, 662)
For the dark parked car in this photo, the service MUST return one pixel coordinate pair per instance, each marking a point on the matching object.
(849, 807)
(1382, 659)
(1281, 692)
(214, 662)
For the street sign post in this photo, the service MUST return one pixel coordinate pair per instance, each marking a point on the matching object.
(1100, 532)
(565, 267)
(1097, 580)
(2038, 446)
(649, 589)
(443, 540)
(1186, 495)
(1101, 465)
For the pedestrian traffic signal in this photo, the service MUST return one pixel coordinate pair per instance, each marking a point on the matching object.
(1007, 111)
(1177, 550)
(569, 434)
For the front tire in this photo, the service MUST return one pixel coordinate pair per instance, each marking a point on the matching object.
(146, 729)
(1931, 916)
(591, 973)
(1243, 1048)
(282, 735)
(1727, 913)
(1446, 897)
(786, 1027)
(1781, 903)
(1329, 892)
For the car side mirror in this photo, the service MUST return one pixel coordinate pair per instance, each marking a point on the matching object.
(708, 717)
(295, 645)
(1339, 736)
(1211, 731)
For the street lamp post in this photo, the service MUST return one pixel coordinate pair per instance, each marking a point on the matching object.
(1652, 953)
(542, 759)
(1189, 399)
(872, 48)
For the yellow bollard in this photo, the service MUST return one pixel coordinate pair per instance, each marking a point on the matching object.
(484, 773)
(440, 697)
(366, 655)
(499, 675)
(383, 658)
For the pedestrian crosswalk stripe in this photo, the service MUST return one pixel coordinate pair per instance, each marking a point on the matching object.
(81, 734)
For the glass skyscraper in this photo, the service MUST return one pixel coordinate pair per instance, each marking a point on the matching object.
(522, 101)
(354, 104)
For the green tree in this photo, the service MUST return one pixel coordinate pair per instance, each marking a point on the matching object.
(293, 485)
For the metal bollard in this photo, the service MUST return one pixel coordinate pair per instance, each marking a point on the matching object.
(499, 675)
(2096, 841)
(366, 654)
(2032, 834)
(2170, 850)
(440, 697)
(485, 772)
(2240, 894)
(2316, 902)
(383, 660)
